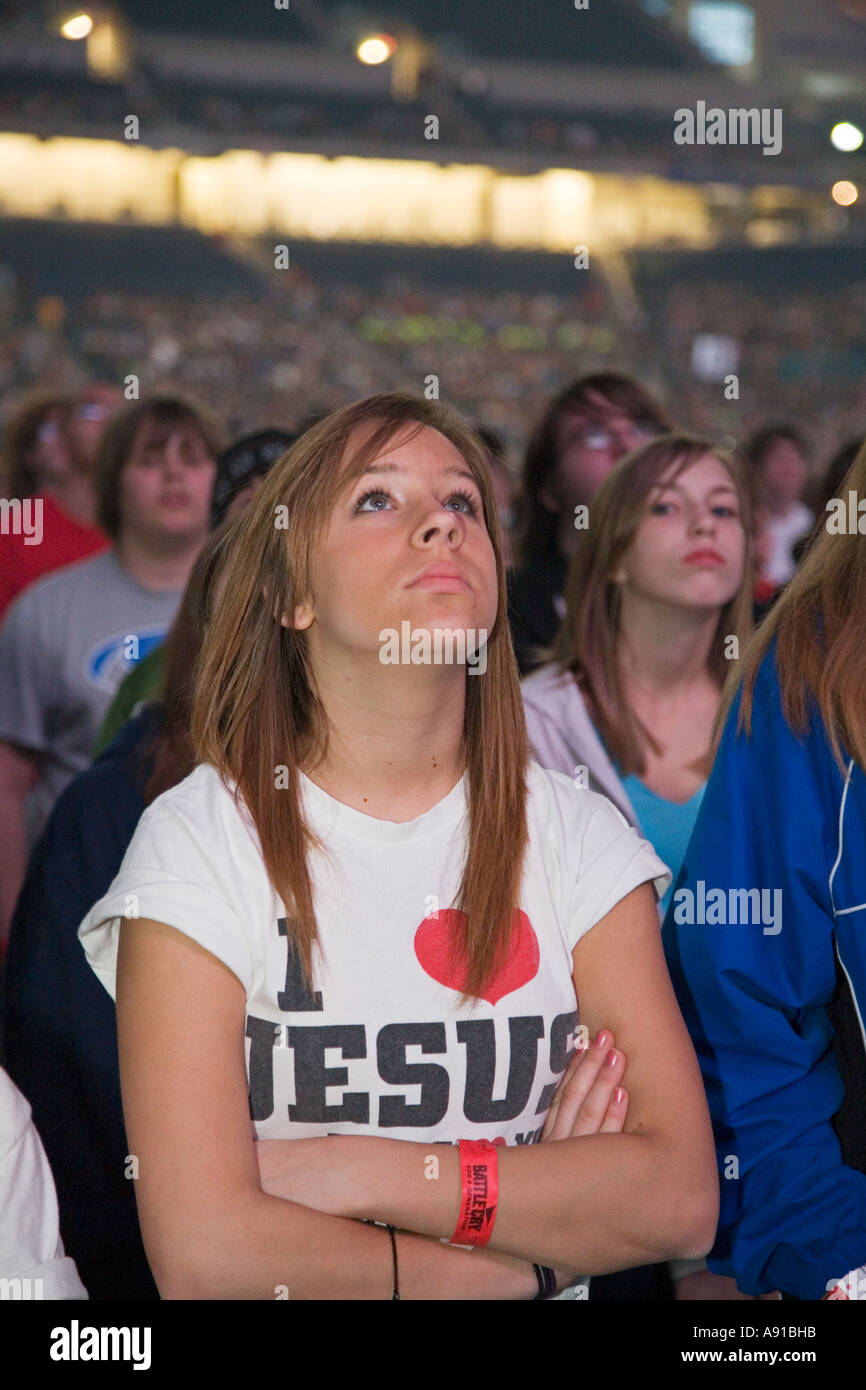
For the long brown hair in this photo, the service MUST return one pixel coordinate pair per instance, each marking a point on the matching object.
(256, 708)
(586, 643)
(817, 623)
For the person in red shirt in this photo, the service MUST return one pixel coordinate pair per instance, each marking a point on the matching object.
(49, 448)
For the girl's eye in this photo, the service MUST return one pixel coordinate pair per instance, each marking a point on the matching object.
(722, 510)
(383, 492)
(373, 492)
(468, 499)
(661, 508)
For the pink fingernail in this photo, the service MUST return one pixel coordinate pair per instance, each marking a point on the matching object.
(619, 1095)
(611, 1058)
(602, 1040)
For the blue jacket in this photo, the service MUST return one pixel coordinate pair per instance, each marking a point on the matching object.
(773, 992)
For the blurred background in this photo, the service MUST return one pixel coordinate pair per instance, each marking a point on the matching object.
(432, 173)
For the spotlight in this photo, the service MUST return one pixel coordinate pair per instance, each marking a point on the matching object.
(846, 137)
(378, 48)
(78, 26)
(844, 193)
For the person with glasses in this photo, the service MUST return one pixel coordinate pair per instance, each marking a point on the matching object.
(49, 450)
(585, 430)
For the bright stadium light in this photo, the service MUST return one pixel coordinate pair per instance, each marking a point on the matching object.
(78, 26)
(846, 137)
(378, 48)
(844, 193)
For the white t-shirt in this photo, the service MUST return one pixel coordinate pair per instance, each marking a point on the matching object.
(383, 1046)
(32, 1261)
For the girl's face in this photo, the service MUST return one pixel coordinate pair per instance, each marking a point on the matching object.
(689, 549)
(406, 543)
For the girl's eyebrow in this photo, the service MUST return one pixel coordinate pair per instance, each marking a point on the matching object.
(453, 472)
(675, 487)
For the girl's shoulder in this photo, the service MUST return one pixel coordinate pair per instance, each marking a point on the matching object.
(205, 807)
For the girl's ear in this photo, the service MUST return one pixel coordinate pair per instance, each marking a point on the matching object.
(304, 614)
(303, 618)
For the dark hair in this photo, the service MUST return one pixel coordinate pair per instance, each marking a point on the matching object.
(491, 441)
(758, 445)
(535, 529)
(118, 439)
(248, 457)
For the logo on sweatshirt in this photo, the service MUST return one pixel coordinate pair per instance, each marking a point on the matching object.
(111, 660)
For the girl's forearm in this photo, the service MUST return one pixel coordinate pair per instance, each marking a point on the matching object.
(595, 1204)
(269, 1248)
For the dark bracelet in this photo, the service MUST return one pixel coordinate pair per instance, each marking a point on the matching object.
(392, 1233)
(546, 1282)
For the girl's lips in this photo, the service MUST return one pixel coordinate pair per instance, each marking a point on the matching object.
(704, 557)
(447, 583)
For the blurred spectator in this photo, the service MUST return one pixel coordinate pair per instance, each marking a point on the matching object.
(49, 450)
(68, 640)
(240, 470)
(776, 459)
(584, 431)
(61, 1031)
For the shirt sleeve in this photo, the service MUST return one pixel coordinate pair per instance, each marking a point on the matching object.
(614, 859)
(176, 870)
(30, 1244)
(754, 996)
(25, 677)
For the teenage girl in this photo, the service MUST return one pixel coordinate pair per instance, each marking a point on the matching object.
(363, 923)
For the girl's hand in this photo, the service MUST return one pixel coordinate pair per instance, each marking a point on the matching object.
(590, 1099)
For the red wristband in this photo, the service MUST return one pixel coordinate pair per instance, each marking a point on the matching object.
(479, 1192)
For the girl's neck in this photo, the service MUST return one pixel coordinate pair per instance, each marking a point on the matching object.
(664, 649)
(395, 743)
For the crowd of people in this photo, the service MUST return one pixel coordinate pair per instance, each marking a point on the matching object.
(497, 356)
(193, 704)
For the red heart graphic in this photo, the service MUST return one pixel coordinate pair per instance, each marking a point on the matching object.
(439, 948)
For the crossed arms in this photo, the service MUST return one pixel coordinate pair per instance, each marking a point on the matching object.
(598, 1194)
